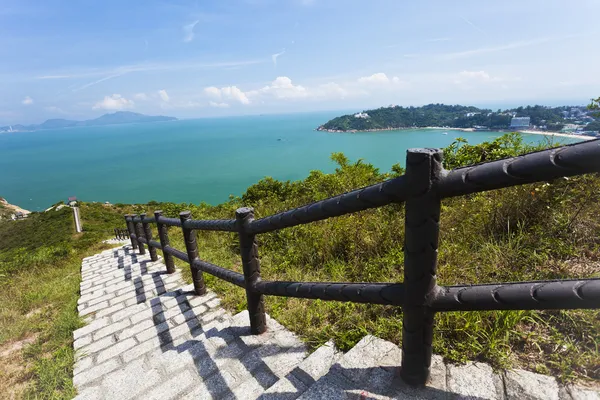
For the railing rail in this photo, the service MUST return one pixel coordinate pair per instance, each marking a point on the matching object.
(423, 187)
(121, 234)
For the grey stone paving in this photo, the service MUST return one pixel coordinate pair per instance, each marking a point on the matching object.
(149, 337)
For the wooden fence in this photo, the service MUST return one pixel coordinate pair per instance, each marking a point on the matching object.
(423, 187)
(121, 234)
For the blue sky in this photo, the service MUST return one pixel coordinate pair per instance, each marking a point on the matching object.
(80, 59)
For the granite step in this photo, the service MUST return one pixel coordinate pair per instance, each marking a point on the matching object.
(148, 336)
(370, 371)
(304, 375)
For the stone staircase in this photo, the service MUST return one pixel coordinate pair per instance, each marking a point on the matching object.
(149, 337)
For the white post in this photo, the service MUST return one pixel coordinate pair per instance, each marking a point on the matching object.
(77, 219)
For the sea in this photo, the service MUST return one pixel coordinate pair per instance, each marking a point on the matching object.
(193, 160)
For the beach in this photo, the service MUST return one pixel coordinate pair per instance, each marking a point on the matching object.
(560, 134)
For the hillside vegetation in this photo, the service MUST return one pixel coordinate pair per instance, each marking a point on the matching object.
(40, 262)
(548, 230)
(441, 115)
(540, 231)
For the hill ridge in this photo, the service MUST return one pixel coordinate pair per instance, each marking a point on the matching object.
(118, 117)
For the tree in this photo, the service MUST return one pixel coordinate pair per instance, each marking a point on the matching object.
(595, 105)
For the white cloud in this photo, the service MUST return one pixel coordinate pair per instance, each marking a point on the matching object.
(379, 77)
(331, 90)
(282, 88)
(188, 31)
(164, 96)
(276, 55)
(113, 72)
(114, 102)
(218, 105)
(475, 75)
(27, 101)
(227, 93)
(474, 26)
(141, 96)
(494, 49)
(87, 85)
(213, 91)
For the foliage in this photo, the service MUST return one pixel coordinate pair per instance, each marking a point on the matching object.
(595, 106)
(593, 126)
(539, 231)
(461, 153)
(40, 261)
(445, 116)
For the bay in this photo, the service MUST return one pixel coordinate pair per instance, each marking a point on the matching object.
(195, 160)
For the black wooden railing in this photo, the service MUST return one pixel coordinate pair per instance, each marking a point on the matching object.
(423, 187)
(121, 234)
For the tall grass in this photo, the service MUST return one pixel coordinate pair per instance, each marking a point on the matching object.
(541, 231)
(548, 230)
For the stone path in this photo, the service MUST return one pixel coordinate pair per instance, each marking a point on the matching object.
(149, 337)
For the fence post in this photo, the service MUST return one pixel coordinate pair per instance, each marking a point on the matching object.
(163, 236)
(423, 168)
(148, 235)
(139, 232)
(131, 230)
(251, 265)
(191, 245)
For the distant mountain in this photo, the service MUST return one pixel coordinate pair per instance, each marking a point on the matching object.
(119, 117)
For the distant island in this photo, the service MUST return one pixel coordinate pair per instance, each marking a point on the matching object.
(119, 117)
(574, 119)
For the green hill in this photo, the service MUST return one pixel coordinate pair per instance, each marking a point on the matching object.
(119, 117)
(441, 115)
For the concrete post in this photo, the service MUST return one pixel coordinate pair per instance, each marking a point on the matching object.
(251, 266)
(191, 245)
(423, 168)
(163, 236)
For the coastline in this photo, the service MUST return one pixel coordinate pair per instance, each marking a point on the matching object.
(533, 132)
(560, 134)
(321, 129)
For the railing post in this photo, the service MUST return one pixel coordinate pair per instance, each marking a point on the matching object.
(191, 245)
(423, 168)
(163, 236)
(251, 265)
(139, 232)
(131, 230)
(148, 235)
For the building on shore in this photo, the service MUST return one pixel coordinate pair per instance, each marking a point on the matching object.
(520, 122)
(18, 215)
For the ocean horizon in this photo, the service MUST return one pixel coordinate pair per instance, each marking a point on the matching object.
(193, 160)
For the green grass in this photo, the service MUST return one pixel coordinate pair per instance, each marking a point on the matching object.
(541, 231)
(40, 261)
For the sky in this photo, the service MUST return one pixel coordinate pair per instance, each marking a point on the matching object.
(192, 59)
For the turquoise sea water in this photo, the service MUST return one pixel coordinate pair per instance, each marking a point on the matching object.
(191, 160)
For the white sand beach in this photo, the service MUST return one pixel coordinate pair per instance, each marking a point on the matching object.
(568, 135)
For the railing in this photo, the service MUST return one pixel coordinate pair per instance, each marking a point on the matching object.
(121, 234)
(423, 187)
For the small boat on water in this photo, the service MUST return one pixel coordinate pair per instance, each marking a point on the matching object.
(444, 133)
